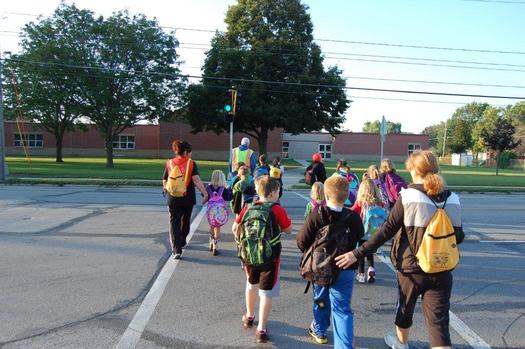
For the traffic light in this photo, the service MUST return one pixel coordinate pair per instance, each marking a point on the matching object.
(230, 103)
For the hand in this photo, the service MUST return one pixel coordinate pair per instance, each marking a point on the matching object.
(345, 260)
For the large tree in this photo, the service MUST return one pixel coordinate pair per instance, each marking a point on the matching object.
(462, 124)
(269, 54)
(516, 113)
(132, 74)
(436, 134)
(497, 132)
(375, 127)
(49, 94)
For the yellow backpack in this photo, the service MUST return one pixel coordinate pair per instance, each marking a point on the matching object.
(438, 250)
(177, 183)
(275, 172)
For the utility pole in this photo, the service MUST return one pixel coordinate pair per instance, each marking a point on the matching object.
(3, 165)
(444, 140)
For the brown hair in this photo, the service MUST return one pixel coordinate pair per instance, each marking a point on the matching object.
(265, 186)
(387, 166)
(180, 147)
(341, 164)
(262, 159)
(426, 166)
(336, 187)
(244, 171)
(373, 172)
(276, 161)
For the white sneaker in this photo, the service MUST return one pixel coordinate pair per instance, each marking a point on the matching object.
(371, 275)
(361, 278)
(393, 342)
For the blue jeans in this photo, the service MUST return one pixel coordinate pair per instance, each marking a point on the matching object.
(335, 300)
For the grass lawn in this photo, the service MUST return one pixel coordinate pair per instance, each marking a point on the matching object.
(95, 168)
(455, 176)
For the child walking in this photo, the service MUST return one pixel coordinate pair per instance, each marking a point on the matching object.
(373, 174)
(369, 206)
(260, 265)
(277, 171)
(217, 212)
(243, 190)
(333, 300)
(317, 196)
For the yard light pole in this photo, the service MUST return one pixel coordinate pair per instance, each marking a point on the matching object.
(383, 132)
(3, 165)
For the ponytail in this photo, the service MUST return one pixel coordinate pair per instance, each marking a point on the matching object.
(434, 184)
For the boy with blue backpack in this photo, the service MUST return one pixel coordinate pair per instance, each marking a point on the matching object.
(262, 169)
(369, 206)
(345, 171)
(257, 232)
(217, 212)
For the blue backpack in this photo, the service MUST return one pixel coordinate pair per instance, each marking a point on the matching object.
(373, 218)
(261, 171)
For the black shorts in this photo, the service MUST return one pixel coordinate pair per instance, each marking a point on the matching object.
(435, 291)
(266, 276)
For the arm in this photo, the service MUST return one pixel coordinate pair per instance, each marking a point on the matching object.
(306, 235)
(165, 179)
(198, 183)
(253, 163)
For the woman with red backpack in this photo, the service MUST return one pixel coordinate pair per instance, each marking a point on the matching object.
(181, 176)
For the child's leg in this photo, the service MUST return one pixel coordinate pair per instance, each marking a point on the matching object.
(342, 315)
(370, 260)
(361, 266)
(251, 298)
(321, 310)
(265, 306)
(216, 233)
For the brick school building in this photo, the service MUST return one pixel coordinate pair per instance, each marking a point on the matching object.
(154, 141)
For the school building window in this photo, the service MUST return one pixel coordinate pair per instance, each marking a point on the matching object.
(30, 140)
(325, 150)
(413, 147)
(286, 148)
(124, 142)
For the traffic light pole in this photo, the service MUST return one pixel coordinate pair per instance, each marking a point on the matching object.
(233, 94)
(3, 166)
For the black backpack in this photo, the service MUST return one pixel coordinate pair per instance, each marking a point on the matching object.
(318, 262)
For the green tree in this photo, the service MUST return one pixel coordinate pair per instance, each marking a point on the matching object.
(50, 95)
(375, 127)
(462, 124)
(497, 132)
(133, 75)
(516, 113)
(269, 54)
(436, 134)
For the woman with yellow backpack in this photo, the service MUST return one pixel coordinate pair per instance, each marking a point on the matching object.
(181, 176)
(425, 223)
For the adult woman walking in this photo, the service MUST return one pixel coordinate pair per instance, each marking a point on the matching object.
(316, 171)
(181, 176)
(407, 223)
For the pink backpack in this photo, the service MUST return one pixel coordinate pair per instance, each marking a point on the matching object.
(217, 212)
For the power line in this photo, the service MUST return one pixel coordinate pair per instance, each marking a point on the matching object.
(498, 1)
(355, 42)
(298, 84)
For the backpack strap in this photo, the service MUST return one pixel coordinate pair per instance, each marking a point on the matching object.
(435, 204)
(221, 191)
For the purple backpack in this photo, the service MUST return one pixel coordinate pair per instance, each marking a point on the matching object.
(217, 212)
(394, 184)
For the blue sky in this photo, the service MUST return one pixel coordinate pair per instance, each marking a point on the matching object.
(444, 23)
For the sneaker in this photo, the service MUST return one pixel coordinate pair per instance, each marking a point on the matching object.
(210, 244)
(177, 255)
(361, 278)
(320, 339)
(184, 244)
(261, 336)
(215, 251)
(247, 321)
(393, 342)
(371, 275)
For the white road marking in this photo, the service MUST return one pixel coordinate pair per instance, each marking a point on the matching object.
(475, 341)
(503, 241)
(132, 335)
(301, 196)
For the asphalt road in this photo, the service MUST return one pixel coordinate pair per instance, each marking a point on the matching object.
(77, 262)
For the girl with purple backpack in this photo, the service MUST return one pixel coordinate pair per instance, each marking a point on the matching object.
(317, 196)
(373, 173)
(393, 182)
(218, 211)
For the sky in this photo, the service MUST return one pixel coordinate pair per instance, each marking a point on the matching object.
(464, 24)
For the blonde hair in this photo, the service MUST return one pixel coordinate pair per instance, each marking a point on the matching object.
(265, 186)
(426, 166)
(238, 165)
(244, 171)
(218, 179)
(317, 192)
(373, 172)
(387, 166)
(368, 193)
(336, 187)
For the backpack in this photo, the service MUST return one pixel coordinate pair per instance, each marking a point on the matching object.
(318, 261)
(373, 218)
(260, 235)
(438, 250)
(394, 184)
(353, 187)
(178, 181)
(217, 211)
(261, 171)
(309, 177)
(275, 172)
(384, 196)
